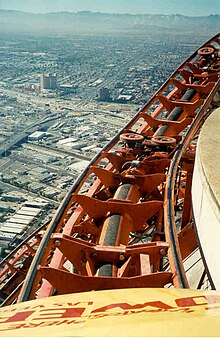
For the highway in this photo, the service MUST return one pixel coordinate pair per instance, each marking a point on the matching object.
(22, 136)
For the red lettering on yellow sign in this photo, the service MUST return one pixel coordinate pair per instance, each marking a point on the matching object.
(125, 306)
(41, 324)
(63, 313)
(198, 300)
(72, 312)
(20, 316)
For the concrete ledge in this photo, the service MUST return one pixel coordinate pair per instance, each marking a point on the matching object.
(206, 194)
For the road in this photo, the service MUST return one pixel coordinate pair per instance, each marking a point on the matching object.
(9, 187)
(6, 165)
(56, 150)
(22, 136)
(50, 168)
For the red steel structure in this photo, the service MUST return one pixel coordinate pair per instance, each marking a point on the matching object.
(133, 227)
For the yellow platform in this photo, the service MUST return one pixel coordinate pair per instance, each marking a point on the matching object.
(129, 312)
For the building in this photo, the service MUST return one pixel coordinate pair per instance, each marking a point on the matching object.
(67, 88)
(104, 94)
(37, 136)
(48, 81)
(12, 198)
(124, 98)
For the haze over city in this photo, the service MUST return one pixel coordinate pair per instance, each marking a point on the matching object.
(187, 7)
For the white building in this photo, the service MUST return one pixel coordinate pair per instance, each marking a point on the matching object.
(48, 81)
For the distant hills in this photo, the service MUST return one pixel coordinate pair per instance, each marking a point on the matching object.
(88, 22)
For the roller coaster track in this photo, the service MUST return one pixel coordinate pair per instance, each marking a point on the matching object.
(133, 227)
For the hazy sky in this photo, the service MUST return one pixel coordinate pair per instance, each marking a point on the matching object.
(185, 7)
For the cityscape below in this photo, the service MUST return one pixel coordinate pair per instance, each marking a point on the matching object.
(62, 99)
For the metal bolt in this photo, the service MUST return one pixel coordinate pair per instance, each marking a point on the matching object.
(57, 243)
(162, 251)
(121, 257)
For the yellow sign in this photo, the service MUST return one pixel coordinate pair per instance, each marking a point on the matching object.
(126, 312)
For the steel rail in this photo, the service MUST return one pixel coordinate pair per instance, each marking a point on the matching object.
(170, 225)
(14, 251)
(26, 289)
(12, 296)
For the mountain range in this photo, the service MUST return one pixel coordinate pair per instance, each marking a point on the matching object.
(87, 22)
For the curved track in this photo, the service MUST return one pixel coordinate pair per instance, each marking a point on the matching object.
(133, 227)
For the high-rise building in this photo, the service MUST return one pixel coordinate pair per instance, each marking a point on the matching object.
(104, 94)
(48, 81)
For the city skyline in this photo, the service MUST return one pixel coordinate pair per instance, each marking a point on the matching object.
(166, 7)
